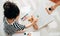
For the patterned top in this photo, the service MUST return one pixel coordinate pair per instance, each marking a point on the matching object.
(11, 29)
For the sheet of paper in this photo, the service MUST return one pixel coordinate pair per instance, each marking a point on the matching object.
(40, 13)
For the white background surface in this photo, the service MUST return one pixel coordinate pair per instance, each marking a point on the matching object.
(33, 6)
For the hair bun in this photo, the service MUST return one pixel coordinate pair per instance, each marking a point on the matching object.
(6, 5)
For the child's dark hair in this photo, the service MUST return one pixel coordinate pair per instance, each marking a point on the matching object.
(10, 10)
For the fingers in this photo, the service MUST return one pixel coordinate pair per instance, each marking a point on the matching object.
(32, 17)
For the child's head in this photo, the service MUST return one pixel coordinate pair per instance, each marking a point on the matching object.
(11, 11)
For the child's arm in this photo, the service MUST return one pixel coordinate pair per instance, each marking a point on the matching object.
(27, 26)
(21, 31)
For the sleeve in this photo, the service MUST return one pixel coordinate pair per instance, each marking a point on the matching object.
(20, 27)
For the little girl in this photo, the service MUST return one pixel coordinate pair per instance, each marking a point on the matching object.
(11, 16)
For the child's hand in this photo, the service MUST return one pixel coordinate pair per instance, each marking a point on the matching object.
(34, 20)
(35, 26)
